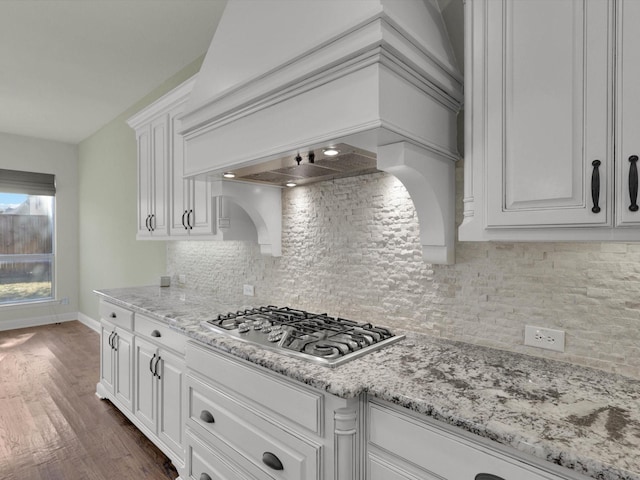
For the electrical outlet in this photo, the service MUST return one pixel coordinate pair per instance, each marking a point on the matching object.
(64, 301)
(182, 279)
(248, 290)
(546, 338)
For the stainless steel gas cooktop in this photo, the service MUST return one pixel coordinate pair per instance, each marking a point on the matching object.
(319, 338)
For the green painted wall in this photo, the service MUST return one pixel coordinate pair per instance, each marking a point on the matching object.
(109, 254)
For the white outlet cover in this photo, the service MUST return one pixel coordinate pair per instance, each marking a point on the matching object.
(248, 290)
(542, 337)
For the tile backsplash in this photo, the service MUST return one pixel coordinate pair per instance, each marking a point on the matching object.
(351, 248)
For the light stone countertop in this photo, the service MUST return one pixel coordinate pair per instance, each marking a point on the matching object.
(583, 419)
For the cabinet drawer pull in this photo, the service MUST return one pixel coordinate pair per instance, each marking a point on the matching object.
(595, 186)
(113, 315)
(271, 461)
(151, 364)
(156, 334)
(633, 183)
(207, 417)
(204, 476)
(487, 476)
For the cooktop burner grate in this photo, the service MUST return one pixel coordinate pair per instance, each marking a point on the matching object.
(319, 338)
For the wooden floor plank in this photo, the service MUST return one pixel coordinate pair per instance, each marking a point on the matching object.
(52, 426)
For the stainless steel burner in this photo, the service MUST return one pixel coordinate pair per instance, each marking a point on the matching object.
(319, 338)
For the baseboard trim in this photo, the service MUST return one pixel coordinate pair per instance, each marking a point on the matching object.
(89, 322)
(17, 323)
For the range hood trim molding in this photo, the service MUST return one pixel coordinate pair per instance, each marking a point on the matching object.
(388, 44)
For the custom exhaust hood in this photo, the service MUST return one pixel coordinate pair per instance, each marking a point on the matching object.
(284, 80)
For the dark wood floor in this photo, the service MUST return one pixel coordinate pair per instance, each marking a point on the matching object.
(52, 425)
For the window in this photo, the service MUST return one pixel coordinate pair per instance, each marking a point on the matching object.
(27, 203)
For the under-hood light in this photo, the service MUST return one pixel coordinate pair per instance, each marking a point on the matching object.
(229, 175)
(331, 152)
(291, 184)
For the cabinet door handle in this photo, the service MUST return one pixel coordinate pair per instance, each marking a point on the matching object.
(115, 340)
(271, 461)
(189, 222)
(155, 368)
(207, 417)
(204, 476)
(487, 476)
(151, 364)
(633, 183)
(595, 186)
(146, 222)
(111, 340)
(184, 224)
(151, 222)
(156, 334)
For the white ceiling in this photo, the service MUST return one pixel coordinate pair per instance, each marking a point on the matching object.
(68, 67)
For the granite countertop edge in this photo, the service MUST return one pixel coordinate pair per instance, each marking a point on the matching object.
(387, 382)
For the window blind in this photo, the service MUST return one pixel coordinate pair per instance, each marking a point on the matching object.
(31, 183)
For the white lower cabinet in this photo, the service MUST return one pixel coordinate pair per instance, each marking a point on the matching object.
(159, 383)
(218, 417)
(116, 355)
(402, 445)
(142, 372)
(244, 421)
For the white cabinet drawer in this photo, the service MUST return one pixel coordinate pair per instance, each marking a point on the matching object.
(160, 333)
(119, 316)
(405, 440)
(259, 386)
(222, 422)
(205, 464)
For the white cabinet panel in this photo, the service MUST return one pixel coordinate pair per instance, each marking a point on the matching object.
(406, 446)
(548, 112)
(170, 394)
(145, 404)
(107, 372)
(123, 342)
(628, 111)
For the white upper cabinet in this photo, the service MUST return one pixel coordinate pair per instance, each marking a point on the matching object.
(628, 112)
(541, 118)
(191, 203)
(153, 144)
(169, 205)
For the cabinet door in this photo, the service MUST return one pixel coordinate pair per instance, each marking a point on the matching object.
(549, 112)
(179, 195)
(106, 356)
(191, 202)
(628, 108)
(146, 357)
(202, 216)
(170, 385)
(124, 367)
(144, 180)
(159, 175)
